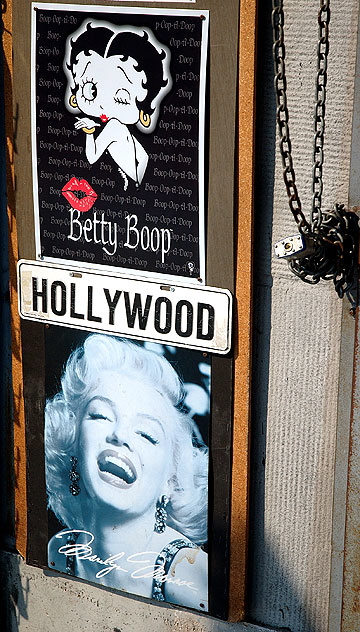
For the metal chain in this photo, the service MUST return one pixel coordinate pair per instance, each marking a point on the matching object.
(331, 238)
(282, 116)
(336, 251)
(282, 113)
(321, 80)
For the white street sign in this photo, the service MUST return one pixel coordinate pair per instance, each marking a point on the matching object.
(180, 315)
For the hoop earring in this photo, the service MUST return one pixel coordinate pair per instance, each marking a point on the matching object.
(73, 101)
(74, 476)
(161, 515)
(145, 119)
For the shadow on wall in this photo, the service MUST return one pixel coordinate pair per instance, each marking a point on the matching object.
(13, 594)
(262, 296)
(261, 605)
(6, 440)
(6, 461)
(273, 597)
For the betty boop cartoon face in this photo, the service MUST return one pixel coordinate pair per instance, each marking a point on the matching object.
(116, 72)
(109, 88)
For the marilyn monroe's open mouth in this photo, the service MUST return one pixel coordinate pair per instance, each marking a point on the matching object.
(116, 470)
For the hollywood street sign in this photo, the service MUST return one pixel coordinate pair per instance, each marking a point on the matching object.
(178, 314)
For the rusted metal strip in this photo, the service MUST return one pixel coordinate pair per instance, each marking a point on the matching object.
(240, 467)
(18, 400)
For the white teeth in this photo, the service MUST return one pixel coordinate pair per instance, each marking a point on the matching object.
(119, 463)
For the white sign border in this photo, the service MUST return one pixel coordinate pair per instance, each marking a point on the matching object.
(167, 1)
(75, 272)
(202, 92)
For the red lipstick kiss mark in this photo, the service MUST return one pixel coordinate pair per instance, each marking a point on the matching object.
(104, 118)
(82, 204)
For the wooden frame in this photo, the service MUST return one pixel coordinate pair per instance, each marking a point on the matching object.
(243, 293)
(230, 215)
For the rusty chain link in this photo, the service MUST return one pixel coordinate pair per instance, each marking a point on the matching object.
(321, 80)
(282, 116)
(332, 236)
(335, 255)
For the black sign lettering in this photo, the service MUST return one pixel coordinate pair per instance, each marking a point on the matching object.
(39, 294)
(90, 315)
(73, 313)
(55, 298)
(112, 303)
(184, 307)
(204, 308)
(136, 310)
(163, 300)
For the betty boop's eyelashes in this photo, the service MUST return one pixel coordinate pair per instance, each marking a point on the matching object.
(122, 96)
(89, 90)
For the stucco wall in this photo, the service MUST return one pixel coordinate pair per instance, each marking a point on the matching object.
(298, 338)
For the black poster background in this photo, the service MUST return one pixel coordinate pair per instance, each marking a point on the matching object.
(168, 196)
(193, 368)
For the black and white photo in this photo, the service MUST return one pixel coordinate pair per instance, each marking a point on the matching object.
(126, 459)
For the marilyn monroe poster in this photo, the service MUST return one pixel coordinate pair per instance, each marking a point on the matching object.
(126, 428)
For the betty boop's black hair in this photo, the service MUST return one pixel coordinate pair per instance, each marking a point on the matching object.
(125, 44)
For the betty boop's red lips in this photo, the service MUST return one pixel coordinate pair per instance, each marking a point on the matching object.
(104, 118)
(84, 203)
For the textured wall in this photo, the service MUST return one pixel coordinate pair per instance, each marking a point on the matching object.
(45, 603)
(298, 332)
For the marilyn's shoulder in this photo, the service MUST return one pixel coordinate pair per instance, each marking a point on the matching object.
(56, 550)
(187, 578)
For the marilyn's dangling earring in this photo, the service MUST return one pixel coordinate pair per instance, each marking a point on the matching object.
(144, 119)
(73, 101)
(161, 515)
(74, 476)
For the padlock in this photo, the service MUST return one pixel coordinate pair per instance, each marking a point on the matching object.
(295, 247)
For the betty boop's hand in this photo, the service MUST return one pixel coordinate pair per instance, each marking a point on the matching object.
(86, 124)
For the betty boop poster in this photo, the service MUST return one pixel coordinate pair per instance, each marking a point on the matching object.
(126, 460)
(118, 101)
